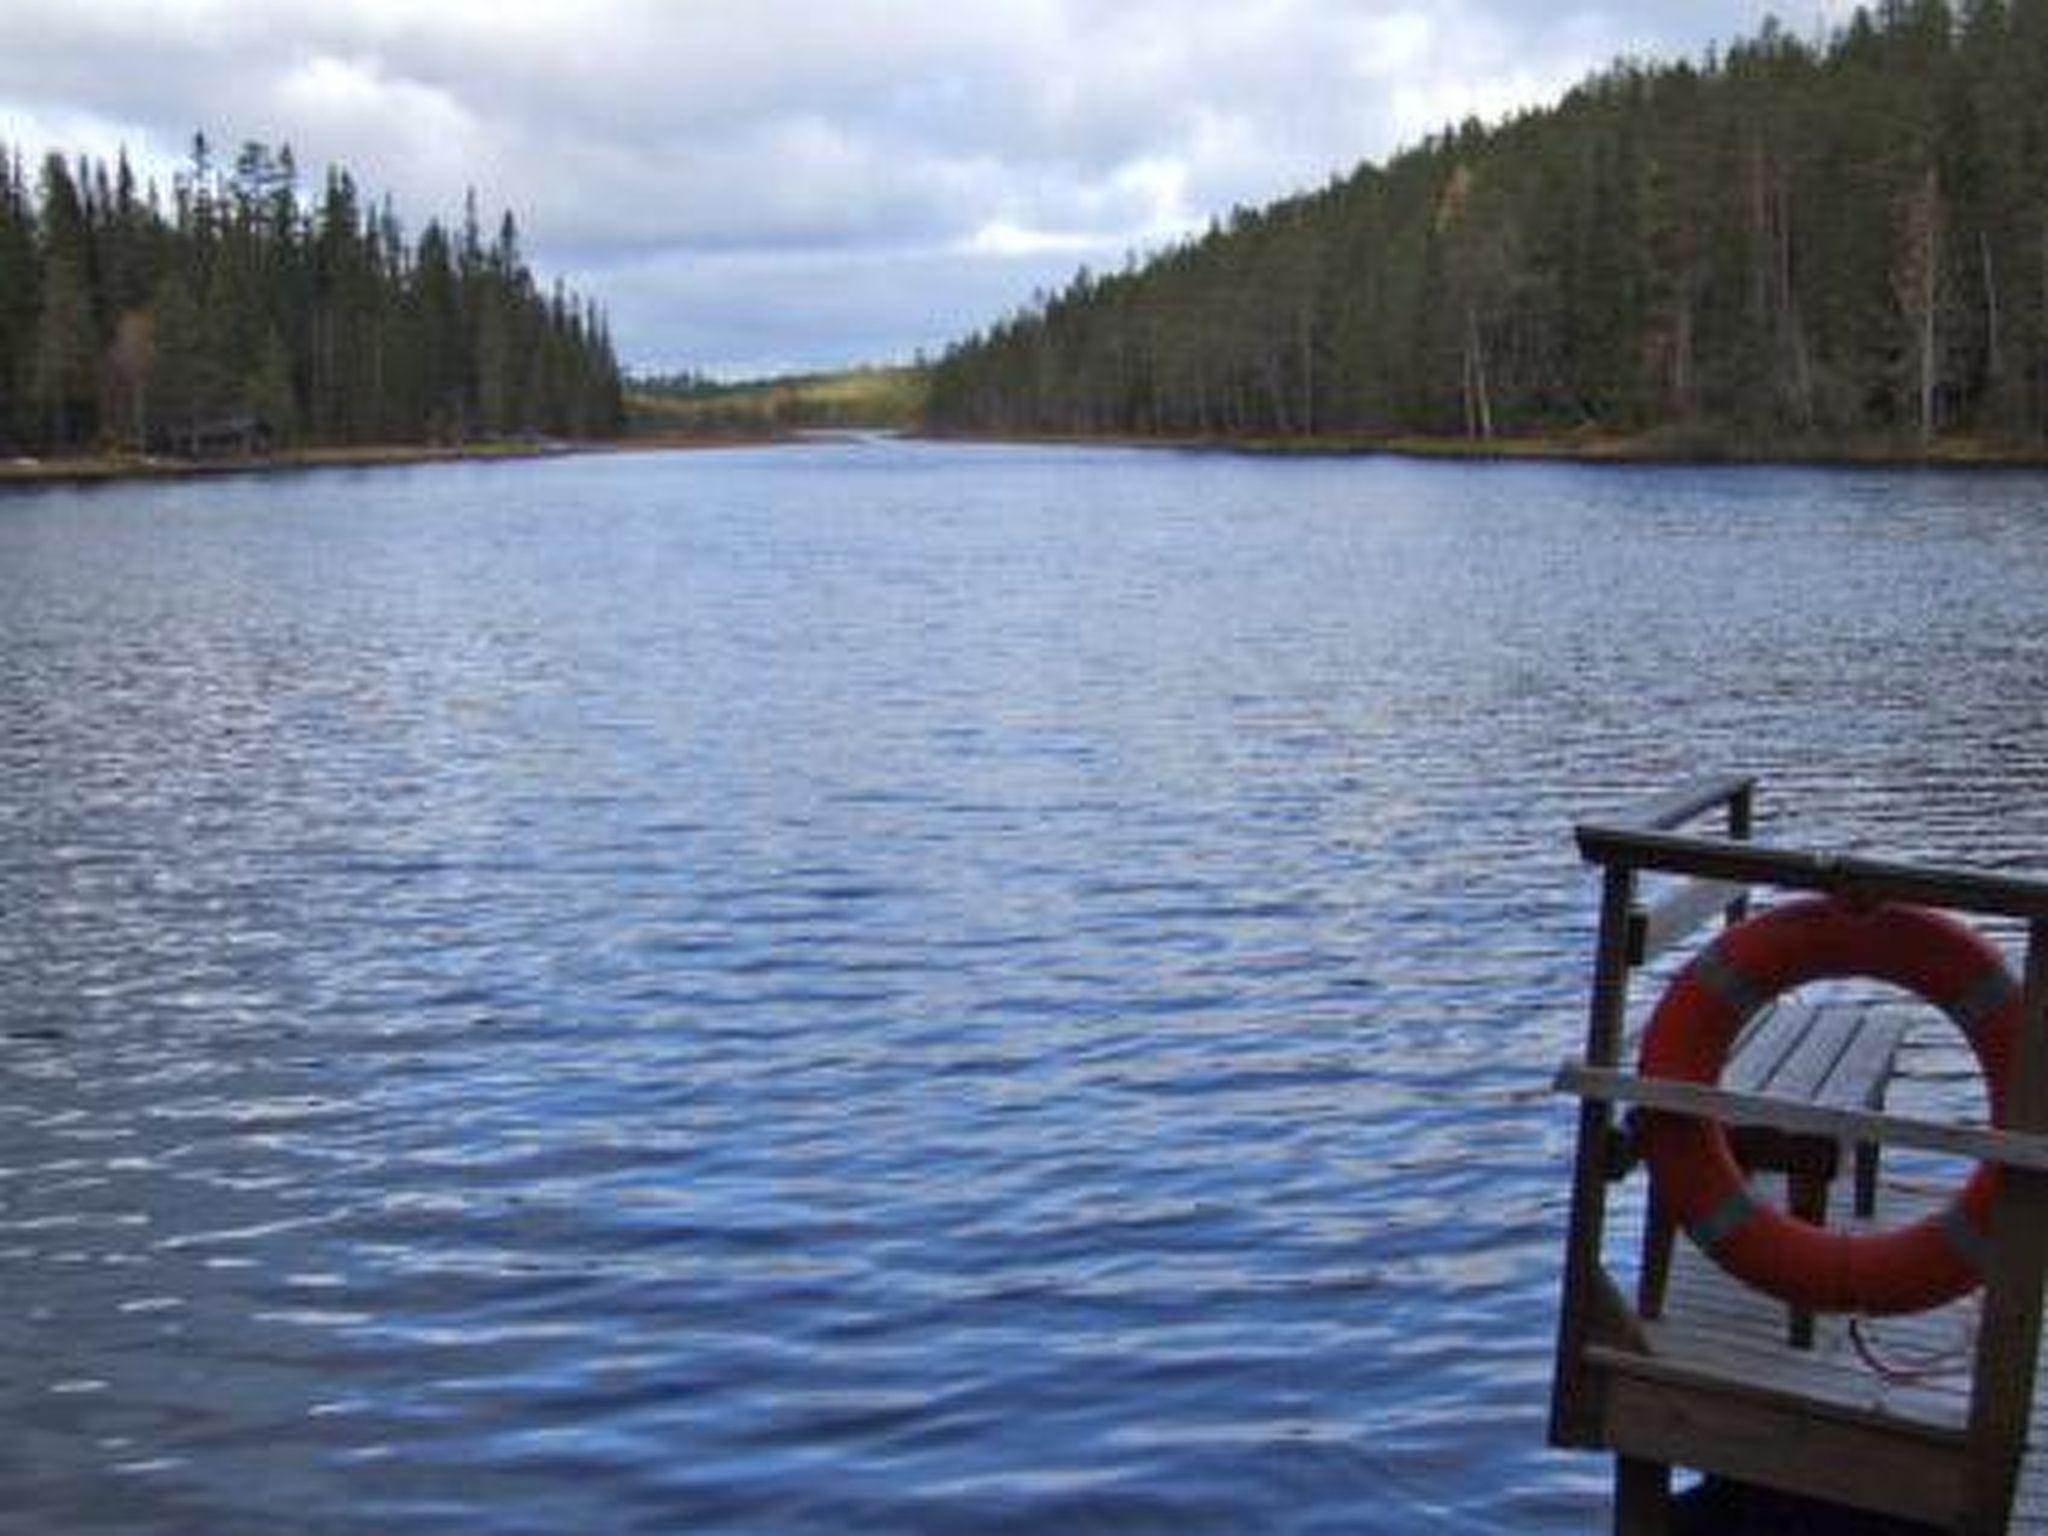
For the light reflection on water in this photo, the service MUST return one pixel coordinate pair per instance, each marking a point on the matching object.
(882, 987)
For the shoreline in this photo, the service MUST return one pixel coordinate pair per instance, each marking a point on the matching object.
(1653, 448)
(1650, 448)
(96, 469)
(112, 468)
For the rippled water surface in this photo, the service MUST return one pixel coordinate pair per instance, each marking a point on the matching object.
(874, 987)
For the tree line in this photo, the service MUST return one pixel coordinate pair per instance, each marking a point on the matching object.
(883, 397)
(1786, 242)
(246, 310)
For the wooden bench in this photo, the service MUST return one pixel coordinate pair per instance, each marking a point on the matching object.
(1839, 1053)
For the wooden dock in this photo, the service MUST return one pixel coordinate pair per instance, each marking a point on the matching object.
(1906, 1370)
(1934, 1417)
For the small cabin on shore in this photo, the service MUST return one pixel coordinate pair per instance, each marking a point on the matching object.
(241, 435)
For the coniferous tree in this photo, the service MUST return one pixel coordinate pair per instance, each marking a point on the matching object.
(63, 367)
(1784, 243)
(20, 306)
(244, 312)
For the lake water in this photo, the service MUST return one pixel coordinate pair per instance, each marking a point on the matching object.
(883, 987)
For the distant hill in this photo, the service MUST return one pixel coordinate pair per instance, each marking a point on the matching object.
(1786, 244)
(684, 404)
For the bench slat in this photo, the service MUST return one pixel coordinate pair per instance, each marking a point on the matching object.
(1813, 1060)
(1763, 1047)
(1859, 1078)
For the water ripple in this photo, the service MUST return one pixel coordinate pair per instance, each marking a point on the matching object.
(879, 989)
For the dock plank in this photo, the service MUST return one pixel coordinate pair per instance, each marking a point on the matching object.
(1713, 1321)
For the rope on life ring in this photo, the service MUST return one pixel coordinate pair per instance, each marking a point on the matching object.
(1907, 1269)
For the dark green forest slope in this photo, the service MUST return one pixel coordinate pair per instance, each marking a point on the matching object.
(1789, 243)
(244, 308)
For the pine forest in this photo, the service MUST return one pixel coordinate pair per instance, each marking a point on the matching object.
(1825, 241)
(244, 312)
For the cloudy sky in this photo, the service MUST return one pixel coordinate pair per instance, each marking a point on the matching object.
(761, 185)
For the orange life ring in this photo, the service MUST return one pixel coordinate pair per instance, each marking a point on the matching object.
(1908, 1269)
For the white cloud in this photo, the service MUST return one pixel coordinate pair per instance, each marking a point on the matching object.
(813, 183)
(999, 237)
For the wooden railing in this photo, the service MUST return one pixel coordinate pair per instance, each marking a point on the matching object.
(1597, 1326)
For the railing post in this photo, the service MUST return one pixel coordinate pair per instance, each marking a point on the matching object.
(1742, 811)
(2009, 1330)
(1574, 1412)
(1741, 827)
